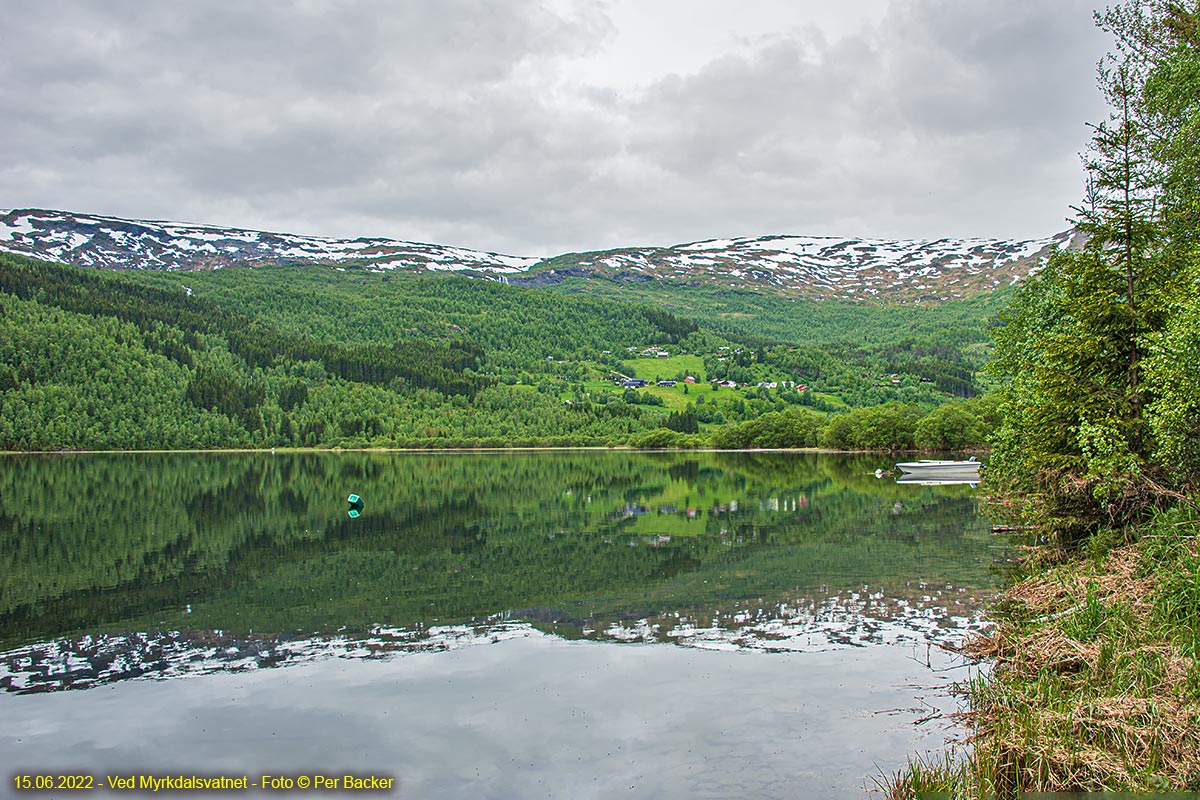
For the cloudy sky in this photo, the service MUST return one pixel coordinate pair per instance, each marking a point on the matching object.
(540, 126)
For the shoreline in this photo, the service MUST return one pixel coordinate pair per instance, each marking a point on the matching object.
(1094, 675)
(513, 449)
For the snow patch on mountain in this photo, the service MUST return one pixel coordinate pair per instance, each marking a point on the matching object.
(822, 267)
(845, 268)
(96, 241)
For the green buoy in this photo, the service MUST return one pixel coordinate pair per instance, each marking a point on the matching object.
(356, 506)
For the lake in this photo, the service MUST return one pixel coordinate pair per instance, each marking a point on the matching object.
(496, 625)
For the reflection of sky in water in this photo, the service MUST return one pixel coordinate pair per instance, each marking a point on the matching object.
(529, 716)
(801, 624)
(802, 593)
(855, 619)
(803, 699)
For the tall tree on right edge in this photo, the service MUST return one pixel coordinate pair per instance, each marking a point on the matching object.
(1076, 445)
(1171, 95)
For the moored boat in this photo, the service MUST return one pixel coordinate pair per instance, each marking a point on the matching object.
(945, 469)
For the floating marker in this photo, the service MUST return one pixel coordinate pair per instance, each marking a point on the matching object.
(356, 506)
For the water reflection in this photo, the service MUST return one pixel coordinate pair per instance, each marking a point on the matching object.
(801, 623)
(119, 566)
(530, 716)
(924, 480)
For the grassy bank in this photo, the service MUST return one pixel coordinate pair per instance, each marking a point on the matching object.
(1095, 684)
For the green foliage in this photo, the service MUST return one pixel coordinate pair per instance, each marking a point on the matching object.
(256, 342)
(684, 422)
(753, 318)
(672, 327)
(511, 329)
(90, 382)
(888, 427)
(793, 428)
(1173, 377)
(292, 394)
(301, 356)
(949, 427)
(635, 398)
(99, 360)
(519, 328)
(1093, 356)
(662, 438)
(212, 389)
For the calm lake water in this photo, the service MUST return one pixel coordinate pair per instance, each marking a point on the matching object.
(569, 624)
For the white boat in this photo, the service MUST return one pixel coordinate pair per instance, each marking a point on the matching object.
(958, 470)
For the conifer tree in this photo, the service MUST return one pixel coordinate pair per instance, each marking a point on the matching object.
(1077, 435)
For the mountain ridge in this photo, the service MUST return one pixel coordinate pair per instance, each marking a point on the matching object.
(819, 267)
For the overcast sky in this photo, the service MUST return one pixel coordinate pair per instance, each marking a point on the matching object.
(535, 127)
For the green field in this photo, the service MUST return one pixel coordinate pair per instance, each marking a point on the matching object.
(656, 369)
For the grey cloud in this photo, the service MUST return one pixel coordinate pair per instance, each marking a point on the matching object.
(950, 115)
(445, 121)
(968, 66)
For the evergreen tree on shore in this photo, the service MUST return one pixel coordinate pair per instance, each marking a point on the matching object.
(1091, 348)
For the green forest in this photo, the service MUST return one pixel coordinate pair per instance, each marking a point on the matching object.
(1096, 357)
(304, 356)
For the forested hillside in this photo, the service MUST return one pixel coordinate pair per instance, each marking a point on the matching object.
(301, 356)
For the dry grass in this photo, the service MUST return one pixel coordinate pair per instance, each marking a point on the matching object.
(1118, 578)
(1092, 688)
(1104, 703)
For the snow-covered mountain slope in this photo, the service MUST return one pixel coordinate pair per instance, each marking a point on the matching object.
(807, 266)
(93, 241)
(823, 266)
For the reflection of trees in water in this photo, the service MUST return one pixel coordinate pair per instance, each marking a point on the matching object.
(259, 540)
(688, 470)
